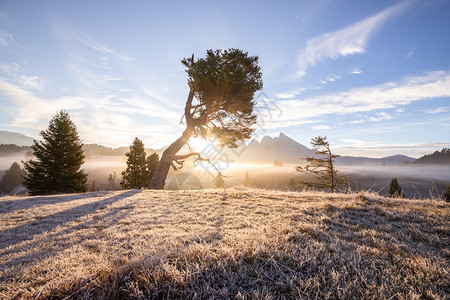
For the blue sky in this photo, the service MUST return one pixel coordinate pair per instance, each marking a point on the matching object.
(372, 76)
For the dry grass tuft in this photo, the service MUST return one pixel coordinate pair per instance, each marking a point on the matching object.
(217, 244)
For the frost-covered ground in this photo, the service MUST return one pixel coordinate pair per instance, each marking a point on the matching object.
(235, 243)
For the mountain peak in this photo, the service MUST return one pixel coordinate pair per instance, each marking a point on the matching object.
(281, 148)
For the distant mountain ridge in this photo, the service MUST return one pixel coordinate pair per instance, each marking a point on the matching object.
(7, 138)
(270, 149)
(285, 150)
(388, 160)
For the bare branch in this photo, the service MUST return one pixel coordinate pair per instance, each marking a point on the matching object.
(181, 120)
(173, 166)
(181, 158)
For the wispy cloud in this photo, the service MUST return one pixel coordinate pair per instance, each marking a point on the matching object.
(347, 41)
(378, 117)
(437, 110)
(411, 52)
(291, 94)
(99, 119)
(6, 38)
(32, 111)
(386, 96)
(356, 71)
(32, 82)
(321, 127)
(331, 78)
(72, 36)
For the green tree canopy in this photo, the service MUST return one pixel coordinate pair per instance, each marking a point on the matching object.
(447, 193)
(246, 180)
(219, 182)
(58, 159)
(219, 106)
(395, 190)
(140, 168)
(12, 178)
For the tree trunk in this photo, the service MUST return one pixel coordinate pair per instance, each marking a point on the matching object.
(159, 179)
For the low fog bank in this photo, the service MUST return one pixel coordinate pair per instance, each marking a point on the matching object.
(7, 160)
(417, 181)
(99, 170)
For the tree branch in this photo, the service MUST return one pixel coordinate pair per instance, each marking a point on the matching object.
(177, 159)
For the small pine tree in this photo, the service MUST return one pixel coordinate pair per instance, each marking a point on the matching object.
(247, 180)
(447, 193)
(112, 181)
(395, 190)
(219, 182)
(12, 178)
(291, 184)
(58, 159)
(94, 186)
(323, 167)
(140, 169)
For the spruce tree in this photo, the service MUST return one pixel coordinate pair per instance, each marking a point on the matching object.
(12, 178)
(140, 169)
(395, 190)
(58, 159)
(291, 184)
(219, 182)
(447, 193)
(247, 180)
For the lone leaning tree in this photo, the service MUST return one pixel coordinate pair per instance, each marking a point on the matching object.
(223, 85)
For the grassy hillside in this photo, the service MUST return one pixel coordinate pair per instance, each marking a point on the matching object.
(237, 244)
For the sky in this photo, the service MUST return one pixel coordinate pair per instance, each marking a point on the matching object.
(371, 76)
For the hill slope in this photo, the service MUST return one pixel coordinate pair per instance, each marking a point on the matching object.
(438, 157)
(7, 137)
(235, 244)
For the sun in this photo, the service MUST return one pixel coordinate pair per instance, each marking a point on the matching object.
(199, 145)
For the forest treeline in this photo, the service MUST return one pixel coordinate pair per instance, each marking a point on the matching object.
(438, 157)
(99, 150)
(8, 149)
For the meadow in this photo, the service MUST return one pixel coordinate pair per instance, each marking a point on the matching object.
(238, 243)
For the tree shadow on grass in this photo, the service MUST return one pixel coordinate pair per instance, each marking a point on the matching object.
(53, 244)
(27, 231)
(7, 206)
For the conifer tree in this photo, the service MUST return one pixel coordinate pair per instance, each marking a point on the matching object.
(447, 193)
(395, 190)
(247, 180)
(12, 178)
(58, 159)
(291, 184)
(322, 167)
(219, 182)
(112, 181)
(140, 169)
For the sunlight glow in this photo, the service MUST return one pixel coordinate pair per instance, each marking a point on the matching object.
(200, 145)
